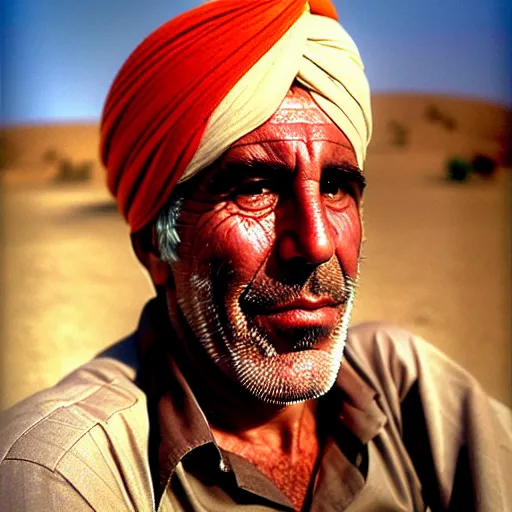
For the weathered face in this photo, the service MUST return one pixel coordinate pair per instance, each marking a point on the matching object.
(269, 254)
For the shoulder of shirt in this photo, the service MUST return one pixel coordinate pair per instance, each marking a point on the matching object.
(368, 338)
(44, 427)
(384, 353)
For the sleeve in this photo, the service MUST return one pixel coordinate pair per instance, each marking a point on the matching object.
(29, 487)
(458, 438)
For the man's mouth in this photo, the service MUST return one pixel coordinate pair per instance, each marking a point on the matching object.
(291, 318)
(303, 304)
(300, 324)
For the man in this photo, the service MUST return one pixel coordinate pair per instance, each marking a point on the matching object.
(234, 138)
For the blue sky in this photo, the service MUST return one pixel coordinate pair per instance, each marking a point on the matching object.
(60, 56)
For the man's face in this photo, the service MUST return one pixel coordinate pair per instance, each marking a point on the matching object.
(270, 242)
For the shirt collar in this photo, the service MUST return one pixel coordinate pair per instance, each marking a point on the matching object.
(180, 422)
(183, 426)
(359, 409)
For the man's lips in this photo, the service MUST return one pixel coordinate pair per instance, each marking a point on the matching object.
(302, 313)
(306, 304)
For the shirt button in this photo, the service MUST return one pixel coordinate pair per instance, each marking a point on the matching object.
(223, 466)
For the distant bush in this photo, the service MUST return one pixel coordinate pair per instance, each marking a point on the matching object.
(50, 156)
(435, 115)
(8, 153)
(68, 171)
(399, 134)
(458, 169)
(2, 153)
(484, 166)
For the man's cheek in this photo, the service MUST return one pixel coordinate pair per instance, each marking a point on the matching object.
(200, 226)
(238, 242)
(254, 237)
(348, 232)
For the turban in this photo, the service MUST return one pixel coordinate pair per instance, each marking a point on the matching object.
(212, 75)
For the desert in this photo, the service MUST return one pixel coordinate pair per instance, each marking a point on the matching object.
(437, 259)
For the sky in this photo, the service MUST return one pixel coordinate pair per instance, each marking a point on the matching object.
(59, 57)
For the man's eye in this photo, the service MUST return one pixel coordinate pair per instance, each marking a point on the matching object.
(255, 195)
(253, 188)
(336, 191)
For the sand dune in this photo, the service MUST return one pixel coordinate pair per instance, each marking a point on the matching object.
(477, 127)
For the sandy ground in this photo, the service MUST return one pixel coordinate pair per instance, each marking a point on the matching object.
(437, 262)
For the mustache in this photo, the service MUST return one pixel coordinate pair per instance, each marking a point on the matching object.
(326, 282)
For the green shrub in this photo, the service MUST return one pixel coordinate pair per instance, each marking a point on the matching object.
(457, 169)
(484, 166)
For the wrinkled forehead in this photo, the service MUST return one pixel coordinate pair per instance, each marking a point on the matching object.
(297, 118)
(298, 107)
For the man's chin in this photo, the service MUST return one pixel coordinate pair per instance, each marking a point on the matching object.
(282, 362)
(288, 378)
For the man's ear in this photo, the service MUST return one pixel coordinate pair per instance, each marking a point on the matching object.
(146, 249)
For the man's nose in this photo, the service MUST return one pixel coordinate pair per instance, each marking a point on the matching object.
(307, 235)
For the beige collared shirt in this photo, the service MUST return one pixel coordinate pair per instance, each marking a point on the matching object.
(408, 430)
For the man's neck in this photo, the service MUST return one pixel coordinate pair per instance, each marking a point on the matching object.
(285, 449)
(287, 432)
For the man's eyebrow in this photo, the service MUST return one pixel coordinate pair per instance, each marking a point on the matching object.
(351, 173)
(234, 172)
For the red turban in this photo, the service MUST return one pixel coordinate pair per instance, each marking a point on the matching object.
(202, 80)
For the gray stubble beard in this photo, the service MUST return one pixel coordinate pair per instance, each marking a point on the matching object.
(248, 357)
